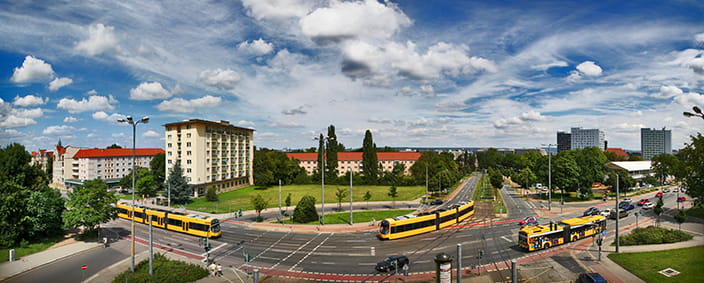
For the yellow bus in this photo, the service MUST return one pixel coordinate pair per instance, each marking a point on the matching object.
(569, 230)
(198, 225)
(414, 224)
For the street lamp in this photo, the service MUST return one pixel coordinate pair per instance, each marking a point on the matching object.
(322, 175)
(550, 178)
(134, 123)
(697, 113)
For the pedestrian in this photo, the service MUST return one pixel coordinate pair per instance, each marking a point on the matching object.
(212, 268)
(219, 268)
(105, 242)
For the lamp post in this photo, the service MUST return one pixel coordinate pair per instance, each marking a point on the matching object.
(550, 179)
(697, 113)
(134, 123)
(322, 176)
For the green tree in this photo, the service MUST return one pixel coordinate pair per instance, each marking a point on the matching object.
(14, 225)
(489, 159)
(331, 150)
(591, 162)
(496, 178)
(340, 194)
(658, 209)
(680, 217)
(305, 210)
(467, 162)
(180, 189)
(211, 194)
(625, 180)
(158, 169)
(370, 161)
(114, 146)
(270, 166)
(692, 167)
(664, 165)
(367, 196)
(260, 204)
(525, 178)
(650, 179)
(288, 200)
(565, 171)
(126, 180)
(146, 184)
(89, 205)
(44, 210)
(393, 193)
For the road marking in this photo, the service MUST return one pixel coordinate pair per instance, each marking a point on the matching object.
(294, 252)
(311, 252)
(373, 251)
(507, 239)
(212, 250)
(271, 246)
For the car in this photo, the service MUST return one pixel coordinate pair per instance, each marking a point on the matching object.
(391, 263)
(622, 213)
(626, 206)
(436, 202)
(591, 278)
(643, 201)
(666, 190)
(591, 211)
(659, 194)
(628, 200)
(529, 220)
(676, 190)
(648, 205)
(605, 212)
(681, 199)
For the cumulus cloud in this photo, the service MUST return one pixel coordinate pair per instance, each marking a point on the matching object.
(188, 106)
(689, 99)
(32, 69)
(543, 67)
(219, 78)
(29, 100)
(16, 118)
(58, 83)
(348, 20)
(149, 91)
(668, 91)
(13, 121)
(256, 47)
(100, 39)
(287, 125)
(92, 92)
(59, 130)
(294, 111)
(151, 134)
(94, 102)
(586, 68)
(244, 123)
(102, 116)
(532, 116)
(70, 119)
(277, 9)
(525, 117)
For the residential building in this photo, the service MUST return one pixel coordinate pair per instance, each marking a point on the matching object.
(211, 153)
(564, 141)
(41, 158)
(619, 152)
(581, 138)
(654, 142)
(347, 161)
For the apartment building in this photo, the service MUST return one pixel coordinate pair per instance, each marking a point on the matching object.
(564, 141)
(211, 153)
(654, 142)
(41, 158)
(581, 138)
(347, 161)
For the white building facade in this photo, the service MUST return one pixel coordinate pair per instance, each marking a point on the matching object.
(654, 142)
(581, 138)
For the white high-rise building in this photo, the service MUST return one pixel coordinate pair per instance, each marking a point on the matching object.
(582, 138)
(654, 142)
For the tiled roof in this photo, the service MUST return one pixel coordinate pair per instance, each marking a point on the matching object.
(114, 152)
(343, 156)
(618, 151)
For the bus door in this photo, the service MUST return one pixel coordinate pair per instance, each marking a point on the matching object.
(566, 234)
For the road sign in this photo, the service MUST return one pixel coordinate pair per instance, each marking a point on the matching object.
(84, 267)
(603, 233)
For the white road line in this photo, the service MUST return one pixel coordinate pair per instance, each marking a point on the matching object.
(294, 252)
(507, 239)
(214, 249)
(311, 252)
(271, 246)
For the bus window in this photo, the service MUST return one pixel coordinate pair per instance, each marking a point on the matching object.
(384, 227)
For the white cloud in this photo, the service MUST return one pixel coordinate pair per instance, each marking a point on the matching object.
(286, 125)
(100, 39)
(244, 123)
(59, 130)
(589, 68)
(699, 37)
(112, 118)
(188, 106)
(543, 67)
(29, 100)
(257, 47)
(349, 20)
(219, 78)
(94, 102)
(532, 116)
(277, 9)
(32, 69)
(70, 119)
(92, 92)
(149, 91)
(151, 134)
(13, 121)
(668, 91)
(58, 83)
(689, 99)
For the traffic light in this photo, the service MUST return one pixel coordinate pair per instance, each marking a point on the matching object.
(598, 241)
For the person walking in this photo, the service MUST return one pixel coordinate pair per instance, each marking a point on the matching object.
(219, 268)
(212, 268)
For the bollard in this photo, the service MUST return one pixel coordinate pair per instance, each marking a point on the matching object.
(514, 272)
(255, 275)
(12, 255)
(443, 268)
(459, 263)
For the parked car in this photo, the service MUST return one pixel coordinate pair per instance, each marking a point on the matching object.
(643, 201)
(626, 205)
(436, 202)
(605, 212)
(649, 205)
(675, 190)
(591, 278)
(681, 199)
(529, 220)
(391, 263)
(666, 190)
(628, 200)
(622, 213)
(659, 194)
(591, 211)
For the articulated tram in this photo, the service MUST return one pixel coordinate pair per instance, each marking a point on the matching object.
(414, 224)
(539, 237)
(198, 225)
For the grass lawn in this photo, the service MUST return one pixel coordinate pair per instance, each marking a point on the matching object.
(234, 200)
(687, 261)
(358, 216)
(697, 211)
(164, 270)
(30, 248)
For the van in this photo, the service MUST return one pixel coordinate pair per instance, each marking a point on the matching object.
(591, 278)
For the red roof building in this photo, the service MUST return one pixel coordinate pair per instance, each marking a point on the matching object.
(618, 151)
(347, 161)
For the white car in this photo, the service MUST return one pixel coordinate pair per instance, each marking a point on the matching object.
(648, 205)
(666, 190)
(605, 212)
(675, 190)
(629, 200)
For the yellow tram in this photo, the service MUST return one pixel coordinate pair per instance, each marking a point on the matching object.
(197, 225)
(414, 224)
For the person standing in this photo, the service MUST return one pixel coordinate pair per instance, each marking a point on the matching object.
(212, 268)
(219, 268)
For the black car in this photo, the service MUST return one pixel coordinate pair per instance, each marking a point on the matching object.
(591, 278)
(436, 202)
(391, 263)
(591, 211)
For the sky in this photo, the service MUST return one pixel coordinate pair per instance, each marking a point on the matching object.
(416, 73)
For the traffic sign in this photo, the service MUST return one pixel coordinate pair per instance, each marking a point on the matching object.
(84, 267)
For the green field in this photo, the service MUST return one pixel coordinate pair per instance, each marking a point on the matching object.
(646, 265)
(29, 248)
(358, 216)
(240, 199)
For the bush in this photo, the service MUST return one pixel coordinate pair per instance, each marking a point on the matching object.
(211, 194)
(653, 235)
(305, 210)
(165, 270)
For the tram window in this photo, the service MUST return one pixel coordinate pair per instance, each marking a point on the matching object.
(139, 214)
(197, 226)
(171, 221)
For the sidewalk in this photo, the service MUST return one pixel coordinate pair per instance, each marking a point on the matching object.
(9, 269)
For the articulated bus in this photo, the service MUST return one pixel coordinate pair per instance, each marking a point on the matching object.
(544, 236)
(414, 224)
(198, 225)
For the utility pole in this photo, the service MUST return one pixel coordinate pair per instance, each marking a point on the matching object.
(351, 221)
(617, 211)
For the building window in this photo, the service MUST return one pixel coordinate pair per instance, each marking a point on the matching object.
(188, 161)
(188, 153)
(188, 135)
(188, 144)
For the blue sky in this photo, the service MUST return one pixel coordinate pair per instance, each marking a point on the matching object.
(416, 73)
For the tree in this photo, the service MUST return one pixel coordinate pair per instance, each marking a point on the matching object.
(259, 204)
(89, 205)
(288, 200)
(340, 194)
(370, 161)
(692, 167)
(664, 165)
(565, 171)
(305, 210)
(495, 178)
(367, 196)
(44, 210)
(393, 193)
(591, 162)
(126, 180)
(658, 209)
(680, 217)
(146, 184)
(525, 178)
(625, 180)
(114, 146)
(211, 194)
(157, 168)
(270, 166)
(180, 190)
(331, 150)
